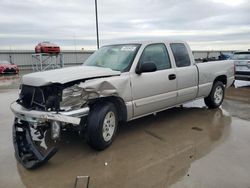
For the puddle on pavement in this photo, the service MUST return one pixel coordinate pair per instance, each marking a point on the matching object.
(226, 166)
(11, 81)
(240, 92)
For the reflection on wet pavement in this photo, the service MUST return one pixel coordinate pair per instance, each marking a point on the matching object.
(237, 109)
(11, 81)
(152, 151)
(226, 166)
(187, 146)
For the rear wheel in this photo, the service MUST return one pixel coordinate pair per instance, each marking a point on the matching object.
(102, 125)
(216, 96)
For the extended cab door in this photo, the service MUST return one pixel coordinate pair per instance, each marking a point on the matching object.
(152, 91)
(186, 72)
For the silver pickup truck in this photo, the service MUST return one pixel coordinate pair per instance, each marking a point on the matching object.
(118, 82)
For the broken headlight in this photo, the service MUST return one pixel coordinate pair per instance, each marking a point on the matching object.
(73, 97)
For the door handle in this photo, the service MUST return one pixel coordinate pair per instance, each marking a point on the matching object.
(171, 76)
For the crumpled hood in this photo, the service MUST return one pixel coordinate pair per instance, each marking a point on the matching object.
(66, 75)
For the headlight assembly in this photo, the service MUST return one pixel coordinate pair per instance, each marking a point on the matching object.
(73, 97)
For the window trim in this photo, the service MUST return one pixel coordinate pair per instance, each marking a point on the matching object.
(139, 64)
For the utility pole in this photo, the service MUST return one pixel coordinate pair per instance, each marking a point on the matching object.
(96, 22)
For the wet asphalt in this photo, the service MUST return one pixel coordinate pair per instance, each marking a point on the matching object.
(183, 147)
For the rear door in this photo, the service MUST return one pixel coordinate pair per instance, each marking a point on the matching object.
(186, 73)
(154, 91)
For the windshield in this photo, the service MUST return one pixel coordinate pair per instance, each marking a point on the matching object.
(116, 57)
(241, 56)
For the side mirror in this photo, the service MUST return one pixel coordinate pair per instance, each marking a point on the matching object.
(146, 67)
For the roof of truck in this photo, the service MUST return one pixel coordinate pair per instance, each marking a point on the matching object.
(147, 42)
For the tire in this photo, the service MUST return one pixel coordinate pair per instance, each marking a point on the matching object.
(216, 96)
(104, 114)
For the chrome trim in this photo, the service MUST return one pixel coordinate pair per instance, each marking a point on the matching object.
(35, 116)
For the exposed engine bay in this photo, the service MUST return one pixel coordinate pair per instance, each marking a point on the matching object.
(46, 98)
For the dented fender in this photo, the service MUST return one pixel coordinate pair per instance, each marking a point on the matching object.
(111, 86)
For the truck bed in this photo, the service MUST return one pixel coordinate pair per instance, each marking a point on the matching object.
(208, 71)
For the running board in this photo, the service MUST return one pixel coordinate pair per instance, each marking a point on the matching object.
(26, 151)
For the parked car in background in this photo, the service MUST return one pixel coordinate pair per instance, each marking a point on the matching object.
(242, 65)
(7, 67)
(47, 47)
(225, 56)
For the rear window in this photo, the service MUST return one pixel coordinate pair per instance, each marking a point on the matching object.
(181, 55)
(241, 56)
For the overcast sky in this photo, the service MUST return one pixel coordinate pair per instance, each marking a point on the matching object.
(205, 24)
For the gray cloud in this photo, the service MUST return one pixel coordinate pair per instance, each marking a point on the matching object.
(204, 24)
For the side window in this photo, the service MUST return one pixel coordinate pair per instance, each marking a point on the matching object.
(158, 54)
(181, 55)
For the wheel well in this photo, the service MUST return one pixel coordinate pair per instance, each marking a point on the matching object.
(222, 78)
(117, 101)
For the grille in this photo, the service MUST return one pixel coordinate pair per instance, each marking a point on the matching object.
(32, 97)
(40, 98)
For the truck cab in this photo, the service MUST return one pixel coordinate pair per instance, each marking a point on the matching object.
(173, 81)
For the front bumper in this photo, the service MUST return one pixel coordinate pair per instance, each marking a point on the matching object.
(34, 116)
(26, 151)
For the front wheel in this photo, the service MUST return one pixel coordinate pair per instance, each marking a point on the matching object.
(102, 125)
(216, 96)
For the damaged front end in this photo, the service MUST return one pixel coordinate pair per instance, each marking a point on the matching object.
(56, 107)
(26, 150)
(42, 109)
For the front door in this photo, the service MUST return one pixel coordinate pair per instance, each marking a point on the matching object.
(153, 91)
